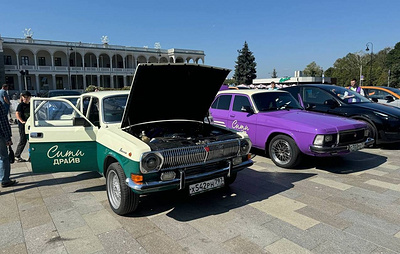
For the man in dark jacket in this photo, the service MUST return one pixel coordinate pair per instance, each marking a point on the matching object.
(5, 140)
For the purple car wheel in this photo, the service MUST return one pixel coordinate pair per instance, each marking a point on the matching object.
(284, 152)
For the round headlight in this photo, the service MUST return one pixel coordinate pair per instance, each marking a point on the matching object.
(244, 147)
(150, 162)
(328, 138)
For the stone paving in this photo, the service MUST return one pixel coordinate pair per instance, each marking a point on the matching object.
(348, 204)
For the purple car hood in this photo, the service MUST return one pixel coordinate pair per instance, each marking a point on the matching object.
(306, 121)
(172, 91)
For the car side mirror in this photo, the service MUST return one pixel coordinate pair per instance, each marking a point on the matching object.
(80, 121)
(374, 99)
(247, 109)
(389, 98)
(331, 103)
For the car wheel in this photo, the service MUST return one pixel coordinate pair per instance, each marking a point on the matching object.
(231, 179)
(372, 132)
(121, 198)
(284, 152)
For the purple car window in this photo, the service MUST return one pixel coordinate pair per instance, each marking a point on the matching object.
(222, 102)
(239, 102)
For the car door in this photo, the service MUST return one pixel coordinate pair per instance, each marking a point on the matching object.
(241, 118)
(220, 109)
(383, 97)
(60, 137)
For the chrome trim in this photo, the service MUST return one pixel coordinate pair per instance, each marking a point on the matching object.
(154, 186)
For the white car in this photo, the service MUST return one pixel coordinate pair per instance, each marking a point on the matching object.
(149, 139)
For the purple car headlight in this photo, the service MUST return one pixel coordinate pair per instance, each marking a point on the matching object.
(324, 139)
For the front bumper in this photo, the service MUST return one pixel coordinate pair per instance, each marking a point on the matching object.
(183, 180)
(320, 150)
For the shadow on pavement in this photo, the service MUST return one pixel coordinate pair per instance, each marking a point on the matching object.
(350, 163)
(250, 186)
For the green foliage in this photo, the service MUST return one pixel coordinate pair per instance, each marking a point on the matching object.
(393, 64)
(230, 81)
(313, 70)
(245, 68)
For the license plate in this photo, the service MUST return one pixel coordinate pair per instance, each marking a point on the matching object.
(206, 185)
(356, 147)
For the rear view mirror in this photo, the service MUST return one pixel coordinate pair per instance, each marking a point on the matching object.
(374, 99)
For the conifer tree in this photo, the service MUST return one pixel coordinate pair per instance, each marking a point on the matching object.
(245, 68)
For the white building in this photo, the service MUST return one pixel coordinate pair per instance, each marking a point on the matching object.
(52, 65)
(296, 80)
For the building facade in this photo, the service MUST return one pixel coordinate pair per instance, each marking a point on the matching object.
(298, 79)
(39, 65)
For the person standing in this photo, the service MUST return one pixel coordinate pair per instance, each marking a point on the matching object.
(273, 86)
(22, 114)
(355, 87)
(5, 98)
(5, 140)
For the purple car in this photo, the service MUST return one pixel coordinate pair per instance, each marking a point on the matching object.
(277, 123)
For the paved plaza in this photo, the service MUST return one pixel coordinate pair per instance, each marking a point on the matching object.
(349, 204)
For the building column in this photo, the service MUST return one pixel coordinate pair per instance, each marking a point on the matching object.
(84, 81)
(20, 83)
(54, 86)
(98, 77)
(17, 60)
(111, 81)
(125, 80)
(35, 57)
(123, 62)
(52, 62)
(37, 83)
(98, 65)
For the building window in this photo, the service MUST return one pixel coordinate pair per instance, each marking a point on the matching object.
(24, 60)
(29, 83)
(59, 83)
(42, 61)
(57, 61)
(10, 82)
(7, 60)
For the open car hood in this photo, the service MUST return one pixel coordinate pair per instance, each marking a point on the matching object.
(172, 91)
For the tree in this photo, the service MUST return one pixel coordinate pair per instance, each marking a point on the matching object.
(245, 68)
(393, 64)
(230, 81)
(313, 70)
(274, 74)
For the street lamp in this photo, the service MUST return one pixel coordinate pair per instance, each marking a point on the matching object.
(370, 69)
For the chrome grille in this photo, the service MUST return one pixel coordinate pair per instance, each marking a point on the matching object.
(193, 155)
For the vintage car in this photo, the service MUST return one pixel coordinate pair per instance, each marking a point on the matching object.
(383, 121)
(276, 123)
(383, 94)
(145, 140)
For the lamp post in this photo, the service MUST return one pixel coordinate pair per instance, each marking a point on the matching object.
(370, 69)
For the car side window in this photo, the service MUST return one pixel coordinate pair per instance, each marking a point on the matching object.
(53, 113)
(222, 102)
(240, 102)
(315, 95)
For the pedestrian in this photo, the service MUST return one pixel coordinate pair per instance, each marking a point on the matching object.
(5, 140)
(22, 114)
(355, 87)
(273, 86)
(5, 98)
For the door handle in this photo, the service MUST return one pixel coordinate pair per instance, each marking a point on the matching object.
(36, 135)
(232, 115)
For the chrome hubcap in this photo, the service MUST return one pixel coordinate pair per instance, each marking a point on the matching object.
(114, 189)
(281, 151)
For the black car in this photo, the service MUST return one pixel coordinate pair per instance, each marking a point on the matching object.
(383, 121)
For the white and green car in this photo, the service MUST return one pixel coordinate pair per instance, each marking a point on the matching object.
(149, 139)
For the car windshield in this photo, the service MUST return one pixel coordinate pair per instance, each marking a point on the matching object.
(272, 101)
(113, 108)
(348, 96)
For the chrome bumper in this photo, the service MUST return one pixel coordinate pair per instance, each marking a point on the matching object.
(180, 183)
(337, 149)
